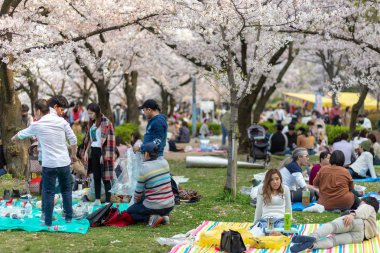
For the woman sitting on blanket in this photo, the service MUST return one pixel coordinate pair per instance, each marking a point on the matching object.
(355, 227)
(335, 185)
(363, 165)
(273, 199)
(292, 177)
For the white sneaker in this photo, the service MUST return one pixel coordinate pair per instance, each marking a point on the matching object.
(97, 202)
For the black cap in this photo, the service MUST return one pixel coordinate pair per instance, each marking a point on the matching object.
(150, 103)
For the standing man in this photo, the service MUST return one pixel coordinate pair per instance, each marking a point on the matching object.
(157, 127)
(52, 131)
(156, 132)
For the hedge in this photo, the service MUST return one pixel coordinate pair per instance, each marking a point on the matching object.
(331, 131)
(215, 128)
(374, 118)
(125, 131)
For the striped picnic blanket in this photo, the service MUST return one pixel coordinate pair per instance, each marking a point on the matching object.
(372, 245)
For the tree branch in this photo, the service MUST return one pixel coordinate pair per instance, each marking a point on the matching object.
(90, 34)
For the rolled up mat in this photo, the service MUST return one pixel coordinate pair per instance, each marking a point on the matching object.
(216, 162)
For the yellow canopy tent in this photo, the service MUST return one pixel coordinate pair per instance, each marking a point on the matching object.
(345, 99)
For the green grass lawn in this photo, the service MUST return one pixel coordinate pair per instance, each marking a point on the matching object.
(213, 206)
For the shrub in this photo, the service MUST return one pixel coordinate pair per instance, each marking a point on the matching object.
(80, 138)
(374, 118)
(335, 131)
(125, 131)
(215, 128)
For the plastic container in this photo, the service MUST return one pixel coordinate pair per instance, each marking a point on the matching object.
(305, 197)
(28, 209)
(287, 220)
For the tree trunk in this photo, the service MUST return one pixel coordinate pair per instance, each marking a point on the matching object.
(165, 101)
(245, 120)
(356, 108)
(130, 88)
(260, 105)
(233, 138)
(16, 155)
(104, 99)
(172, 103)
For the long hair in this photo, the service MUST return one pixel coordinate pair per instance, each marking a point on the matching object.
(295, 154)
(267, 189)
(98, 114)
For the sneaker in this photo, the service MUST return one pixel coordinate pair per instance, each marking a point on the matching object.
(298, 247)
(97, 202)
(302, 239)
(155, 220)
(253, 202)
(166, 220)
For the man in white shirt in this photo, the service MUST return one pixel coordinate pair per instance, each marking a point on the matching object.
(344, 146)
(52, 131)
(365, 122)
(279, 114)
(363, 166)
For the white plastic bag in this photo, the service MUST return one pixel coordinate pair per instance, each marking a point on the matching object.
(127, 181)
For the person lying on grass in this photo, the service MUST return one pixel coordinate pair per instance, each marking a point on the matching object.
(355, 227)
(273, 199)
(154, 198)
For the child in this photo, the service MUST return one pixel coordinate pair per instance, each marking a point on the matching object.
(272, 200)
(355, 227)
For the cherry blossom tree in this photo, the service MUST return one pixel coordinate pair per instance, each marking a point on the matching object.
(35, 27)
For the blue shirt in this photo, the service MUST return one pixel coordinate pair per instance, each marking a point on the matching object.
(156, 132)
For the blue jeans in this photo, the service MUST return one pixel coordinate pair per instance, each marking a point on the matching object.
(140, 213)
(277, 223)
(2, 171)
(49, 176)
(224, 135)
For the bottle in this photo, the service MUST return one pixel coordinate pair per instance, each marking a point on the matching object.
(305, 197)
(28, 209)
(80, 185)
(287, 220)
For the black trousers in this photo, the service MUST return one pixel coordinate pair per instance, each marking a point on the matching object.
(97, 169)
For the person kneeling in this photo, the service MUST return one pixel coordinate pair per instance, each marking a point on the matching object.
(154, 198)
(357, 226)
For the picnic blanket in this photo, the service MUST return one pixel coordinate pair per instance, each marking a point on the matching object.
(297, 206)
(372, 245)
(33, 224)
(367, 180)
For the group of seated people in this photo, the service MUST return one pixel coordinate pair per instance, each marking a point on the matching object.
(333, 186)
(275, 197)
(286, 139)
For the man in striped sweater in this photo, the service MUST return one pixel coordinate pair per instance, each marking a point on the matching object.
(154, 198)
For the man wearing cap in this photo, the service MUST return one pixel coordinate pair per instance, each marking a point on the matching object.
(363, 166)
(157, 127)
(154, 198)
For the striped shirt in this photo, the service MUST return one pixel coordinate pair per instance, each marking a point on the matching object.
(155, 183)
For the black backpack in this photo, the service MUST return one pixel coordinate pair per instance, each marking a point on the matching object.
(232, 242)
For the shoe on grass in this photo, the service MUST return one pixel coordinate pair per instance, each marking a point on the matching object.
(155, 220)
(166, 220)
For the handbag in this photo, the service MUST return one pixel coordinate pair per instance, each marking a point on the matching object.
(98, 217)
(232, 242)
